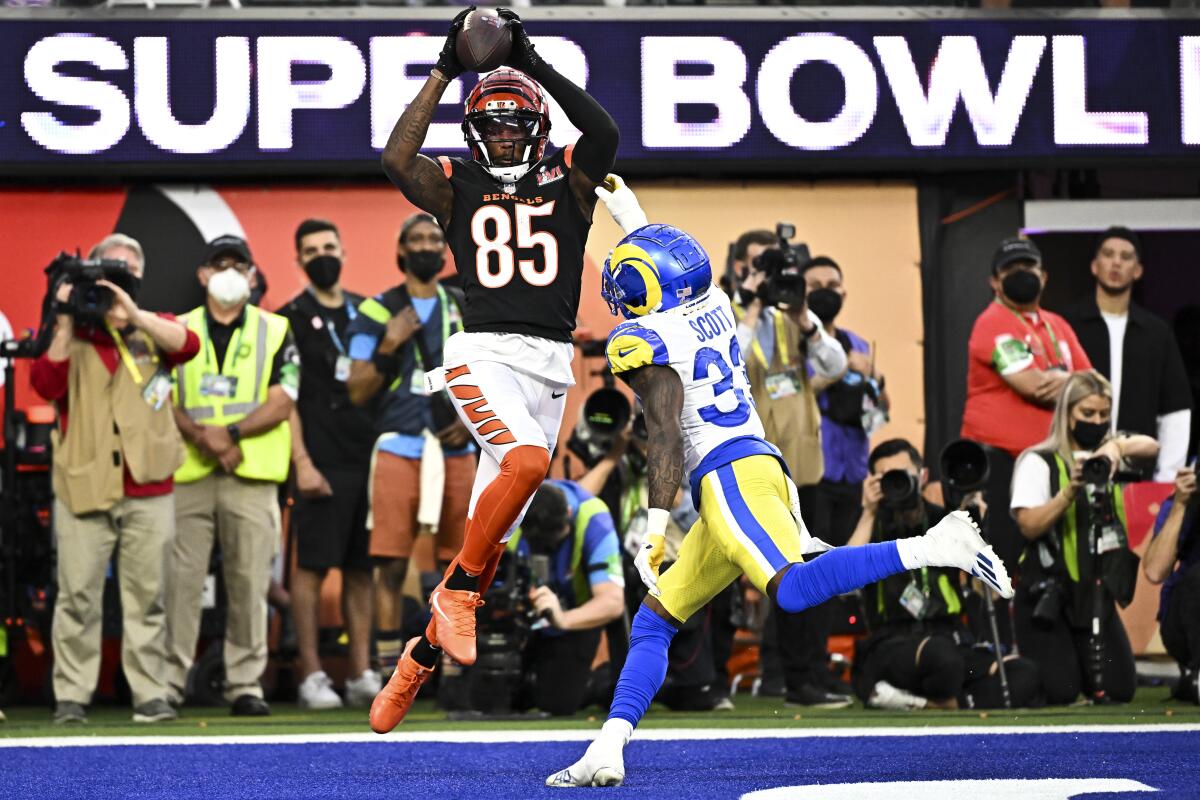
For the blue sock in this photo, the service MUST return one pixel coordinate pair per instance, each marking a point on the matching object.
(645, 666)
(836, 572)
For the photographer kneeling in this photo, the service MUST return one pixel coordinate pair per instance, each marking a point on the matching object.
(919, 653)
(1173, 559)
(584, 591)
(1073, 521)
(107, 370)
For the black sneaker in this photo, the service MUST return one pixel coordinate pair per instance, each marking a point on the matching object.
(771, 687)
(1188, 687)
(68, 713)
(815, 697)
(249, 705)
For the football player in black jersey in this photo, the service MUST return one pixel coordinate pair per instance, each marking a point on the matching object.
(516, 221)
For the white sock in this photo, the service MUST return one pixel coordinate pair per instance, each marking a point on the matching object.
(618, 729)
(912, 552)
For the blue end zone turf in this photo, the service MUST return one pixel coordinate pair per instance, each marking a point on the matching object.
(671, 770)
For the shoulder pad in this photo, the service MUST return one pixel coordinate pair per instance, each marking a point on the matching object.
(632, 345)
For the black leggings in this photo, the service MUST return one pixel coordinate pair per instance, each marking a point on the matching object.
(1061, 653)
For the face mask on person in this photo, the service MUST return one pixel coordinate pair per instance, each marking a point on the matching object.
(1089, 435)
(424, 265)
(228, 287)
(825, 303)
(324, 271)
(1021, 286)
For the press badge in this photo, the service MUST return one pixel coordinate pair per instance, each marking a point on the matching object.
(157, 390)
(780, 385)
(217, 385)
(417, 383)
(341, 369)
(1110, 539)
(913, 600)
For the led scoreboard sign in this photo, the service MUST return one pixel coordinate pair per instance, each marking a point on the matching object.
(87, 94)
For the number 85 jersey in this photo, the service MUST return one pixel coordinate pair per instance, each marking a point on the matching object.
(699, 341)
(518, 247)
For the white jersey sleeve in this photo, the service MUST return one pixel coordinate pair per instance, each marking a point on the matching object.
(698, 341)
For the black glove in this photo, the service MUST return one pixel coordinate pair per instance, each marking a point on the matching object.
(522, 56)
(448, 63)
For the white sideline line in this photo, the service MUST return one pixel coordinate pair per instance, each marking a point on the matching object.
(518, 736)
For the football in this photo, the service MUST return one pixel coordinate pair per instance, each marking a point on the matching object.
(484, 41)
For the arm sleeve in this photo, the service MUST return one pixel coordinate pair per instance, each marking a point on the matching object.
(596, 150)
(49, 378)
(285, 368)
(191, 347)
(631, 346)
(1031, 482)
(1174, 432)
(825, 353)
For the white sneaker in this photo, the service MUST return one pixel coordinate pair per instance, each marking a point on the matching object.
(955, 542)
(884, 695)
(602, 765)
(316, 692)
(361, 691)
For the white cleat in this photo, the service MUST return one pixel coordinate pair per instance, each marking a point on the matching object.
(887, 696)
(956, 542)
(602, 765)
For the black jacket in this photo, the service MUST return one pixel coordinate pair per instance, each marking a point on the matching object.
(1153, 379)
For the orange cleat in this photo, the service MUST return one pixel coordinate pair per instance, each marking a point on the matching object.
(454, 622)
(396, 698)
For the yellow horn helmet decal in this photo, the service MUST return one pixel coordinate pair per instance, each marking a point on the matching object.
(631, 255)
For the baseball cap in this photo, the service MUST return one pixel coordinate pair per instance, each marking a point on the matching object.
(1120, 232)
(1015, 249)
(227, 244)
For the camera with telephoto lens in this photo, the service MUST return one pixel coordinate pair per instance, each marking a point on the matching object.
(898, 486)
(604, 415)
(89, 302)
(1096, 470)
(784, 284)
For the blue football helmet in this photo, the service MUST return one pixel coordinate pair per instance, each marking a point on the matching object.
(655, 268)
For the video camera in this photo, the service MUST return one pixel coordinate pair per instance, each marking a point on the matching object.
(88, 301)
(784, 284)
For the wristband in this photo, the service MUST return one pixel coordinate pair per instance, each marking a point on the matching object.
(235, 432)
(388, 364)
(656, 521)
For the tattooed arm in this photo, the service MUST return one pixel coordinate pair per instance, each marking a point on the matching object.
(421, 180)
(419, 177)
(661, 393)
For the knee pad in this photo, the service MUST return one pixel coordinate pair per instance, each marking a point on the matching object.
(528, 465)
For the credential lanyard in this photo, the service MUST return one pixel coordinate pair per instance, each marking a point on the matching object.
(1058, 360)
(210, 352)
(351, 312)
(444, 302)
(780, 343)
(126, 356)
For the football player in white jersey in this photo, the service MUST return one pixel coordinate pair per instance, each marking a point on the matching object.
(679, 353)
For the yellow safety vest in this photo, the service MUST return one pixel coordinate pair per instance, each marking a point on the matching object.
(248, 359)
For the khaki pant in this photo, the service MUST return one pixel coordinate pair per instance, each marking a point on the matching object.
(140, 529)
(245, 516)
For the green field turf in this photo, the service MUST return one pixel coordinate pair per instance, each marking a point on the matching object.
(1150, 706)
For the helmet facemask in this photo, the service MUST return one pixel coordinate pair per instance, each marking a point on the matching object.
(516, 135)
